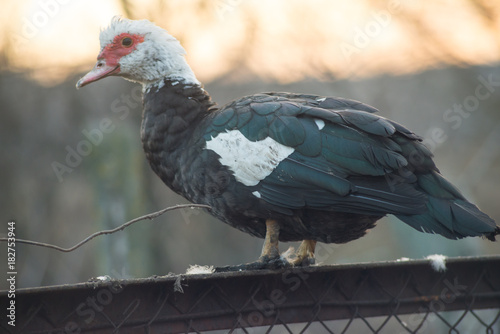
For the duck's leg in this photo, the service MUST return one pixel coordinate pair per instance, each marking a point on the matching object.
(305, 253)
(270, 249)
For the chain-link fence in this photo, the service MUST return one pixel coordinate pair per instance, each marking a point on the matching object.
(392, 297)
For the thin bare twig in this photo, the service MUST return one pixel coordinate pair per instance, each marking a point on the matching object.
(119, 228)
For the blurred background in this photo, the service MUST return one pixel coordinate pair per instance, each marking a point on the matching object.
(430, 65)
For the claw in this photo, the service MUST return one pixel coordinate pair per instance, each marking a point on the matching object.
(304, 255)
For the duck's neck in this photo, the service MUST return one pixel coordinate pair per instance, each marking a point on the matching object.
(171, 114)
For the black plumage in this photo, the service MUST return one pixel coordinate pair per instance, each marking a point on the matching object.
(338, 181)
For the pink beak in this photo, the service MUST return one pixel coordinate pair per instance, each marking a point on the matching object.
(100, 70)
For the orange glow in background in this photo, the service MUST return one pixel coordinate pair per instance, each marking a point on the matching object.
(284, 40)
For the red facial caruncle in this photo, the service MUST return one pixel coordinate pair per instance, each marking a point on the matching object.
(108, 60)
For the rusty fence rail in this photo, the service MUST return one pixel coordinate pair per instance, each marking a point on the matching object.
(387, 297)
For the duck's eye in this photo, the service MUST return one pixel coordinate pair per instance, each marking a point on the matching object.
(127, 42)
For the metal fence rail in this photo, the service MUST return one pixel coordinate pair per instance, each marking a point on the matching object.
(402, 295)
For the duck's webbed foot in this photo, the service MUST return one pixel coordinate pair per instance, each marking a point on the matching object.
(270, 256)
(304, 256)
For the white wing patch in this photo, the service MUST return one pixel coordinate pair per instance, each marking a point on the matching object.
(250, 161)
(319, 123)
(257, 194)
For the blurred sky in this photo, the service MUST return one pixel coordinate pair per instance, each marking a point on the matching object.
(285, 40)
